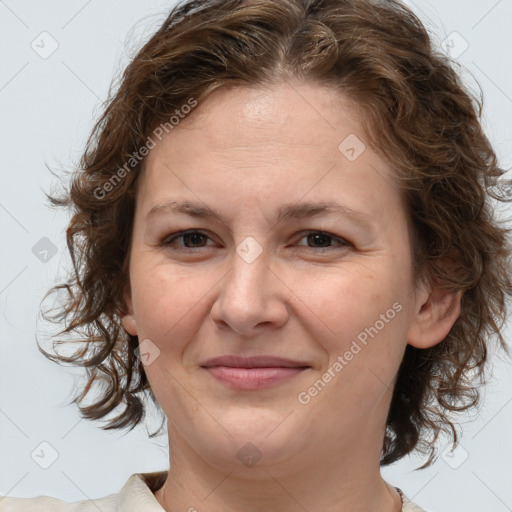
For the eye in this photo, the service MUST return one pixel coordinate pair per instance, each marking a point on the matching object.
(190, 239)
(323, 240)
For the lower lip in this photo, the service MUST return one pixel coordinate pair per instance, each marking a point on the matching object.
(253, 378)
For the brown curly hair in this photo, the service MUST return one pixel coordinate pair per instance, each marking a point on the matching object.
(416, 113)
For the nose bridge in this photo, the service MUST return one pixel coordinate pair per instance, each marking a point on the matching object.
(246, 283)
(248, 294)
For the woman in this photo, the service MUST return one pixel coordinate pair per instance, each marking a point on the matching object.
(283, 235)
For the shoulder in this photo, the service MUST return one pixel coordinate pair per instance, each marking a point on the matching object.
(47, 504)
(135, 496)
(407, 504)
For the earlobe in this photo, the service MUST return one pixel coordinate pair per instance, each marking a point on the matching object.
(129, 324)
(128, 319)
(435, 317)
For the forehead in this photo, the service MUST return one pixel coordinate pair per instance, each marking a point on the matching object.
(298, 112)
(259, 142)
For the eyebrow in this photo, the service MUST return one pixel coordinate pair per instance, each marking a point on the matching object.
(287, 211)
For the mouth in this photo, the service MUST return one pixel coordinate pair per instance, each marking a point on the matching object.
(251, 373)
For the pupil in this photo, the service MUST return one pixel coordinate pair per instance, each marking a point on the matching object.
(194, 237)
(314, 237)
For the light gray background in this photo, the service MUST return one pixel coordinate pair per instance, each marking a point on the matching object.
(47, 108)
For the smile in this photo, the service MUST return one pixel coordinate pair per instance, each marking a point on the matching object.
(253, 378)
(257, 372)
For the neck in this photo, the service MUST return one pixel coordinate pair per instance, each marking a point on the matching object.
(312, 481)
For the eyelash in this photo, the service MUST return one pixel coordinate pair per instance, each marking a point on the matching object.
(168, 242)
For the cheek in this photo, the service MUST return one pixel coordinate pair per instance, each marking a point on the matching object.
(166, 300)
(362, 318)
(345, 301)
(364, 342)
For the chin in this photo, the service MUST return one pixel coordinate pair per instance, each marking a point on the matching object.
(257, 442)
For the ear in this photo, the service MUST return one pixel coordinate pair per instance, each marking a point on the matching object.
(128, 319)
(436, 311)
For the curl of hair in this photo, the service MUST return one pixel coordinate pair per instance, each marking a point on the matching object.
(416, 113)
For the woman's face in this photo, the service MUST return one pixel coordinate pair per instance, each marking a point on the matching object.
(299, 250)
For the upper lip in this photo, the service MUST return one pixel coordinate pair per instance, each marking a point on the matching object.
(253, 362)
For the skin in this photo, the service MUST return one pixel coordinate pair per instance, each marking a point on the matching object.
(246, 152)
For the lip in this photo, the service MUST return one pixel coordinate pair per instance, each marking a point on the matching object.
(253, 362)
(256, 372)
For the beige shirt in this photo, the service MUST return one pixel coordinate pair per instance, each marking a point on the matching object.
(135, 496)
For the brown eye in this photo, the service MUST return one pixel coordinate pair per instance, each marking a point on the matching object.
(194, 239)
(190, 240)
(321, 240)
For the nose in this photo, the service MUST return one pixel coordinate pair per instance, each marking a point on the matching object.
(251, 297)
